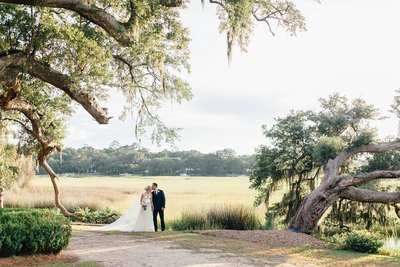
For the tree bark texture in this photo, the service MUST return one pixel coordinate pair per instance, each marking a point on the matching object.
(335, 186)
(123, 32)
(13, 64)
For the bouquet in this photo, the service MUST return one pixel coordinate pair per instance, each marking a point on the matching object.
(144, 206)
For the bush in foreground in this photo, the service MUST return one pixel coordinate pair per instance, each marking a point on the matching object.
(362, 242)
(101, 216)
(359, 241)
(231, 218)
(24, 231)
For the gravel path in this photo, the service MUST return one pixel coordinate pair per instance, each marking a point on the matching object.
(113, 249)
(273, 237)
(129, 250)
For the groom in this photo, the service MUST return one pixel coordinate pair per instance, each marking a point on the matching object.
(159, 206)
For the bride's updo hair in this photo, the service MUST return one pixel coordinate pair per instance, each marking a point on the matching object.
(147, 187)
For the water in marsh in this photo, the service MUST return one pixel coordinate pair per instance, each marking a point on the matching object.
(393, 243)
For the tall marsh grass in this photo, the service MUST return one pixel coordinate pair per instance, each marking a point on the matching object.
(222, 217)
(94, 198)
(233, 217)
(190, 221)
(118, 193)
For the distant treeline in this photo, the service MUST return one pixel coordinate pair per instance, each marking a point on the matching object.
(133, 159)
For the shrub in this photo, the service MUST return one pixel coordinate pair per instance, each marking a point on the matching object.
(190, 221)
(102, 216)
(334, 241)
(327, 228)
(232, 218)
(362, 242)
(32, 231)
(269, 221)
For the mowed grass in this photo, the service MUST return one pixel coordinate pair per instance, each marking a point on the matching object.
(184, 194)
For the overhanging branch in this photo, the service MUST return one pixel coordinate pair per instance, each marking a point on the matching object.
(122, 32)
(11, 101)
(45, 73)
(18, 62)
(362, 178)
(22, 124)
(370, 196)
(91, 12)
(333, 166)
(278, 14)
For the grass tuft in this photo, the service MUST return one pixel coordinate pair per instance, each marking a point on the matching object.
(223, 217)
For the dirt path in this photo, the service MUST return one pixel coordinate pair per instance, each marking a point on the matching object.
(130, 250)
(210, 248)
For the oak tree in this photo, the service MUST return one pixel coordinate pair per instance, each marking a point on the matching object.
(55, 54)
(320, 156)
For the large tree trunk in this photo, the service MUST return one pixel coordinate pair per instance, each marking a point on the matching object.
(314, 206)
(335, 187)
(53, 178)
(11, 65)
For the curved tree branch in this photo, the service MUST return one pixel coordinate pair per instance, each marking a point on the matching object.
(370, 196)
(362, 178)
(48, 147)
(23, 125)
(262, 14)
(91, 12)
(335, 187)
(217, 2)
(20, 63)
(53, 178)
(45, 73)
(34, 117)
(122, 32)
(333, 165)
(11, 101)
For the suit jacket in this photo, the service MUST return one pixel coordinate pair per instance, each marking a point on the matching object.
(158, 200)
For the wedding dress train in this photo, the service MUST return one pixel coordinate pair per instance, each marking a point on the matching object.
(138, 218)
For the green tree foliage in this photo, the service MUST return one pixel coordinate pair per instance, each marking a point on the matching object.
(75, 47)
(351, 212)
(142, 57)
(9, 171)
(237, 19)
(56, 53)
(300, 145)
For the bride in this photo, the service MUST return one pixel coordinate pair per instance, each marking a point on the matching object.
(138, 218)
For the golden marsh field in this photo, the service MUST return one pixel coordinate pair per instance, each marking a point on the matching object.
(184, 194)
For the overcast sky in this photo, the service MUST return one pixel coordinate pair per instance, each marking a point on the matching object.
(351, 47)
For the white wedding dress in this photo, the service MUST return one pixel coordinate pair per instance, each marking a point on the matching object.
(136, 219)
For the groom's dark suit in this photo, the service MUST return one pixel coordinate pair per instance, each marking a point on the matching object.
(158, 203)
